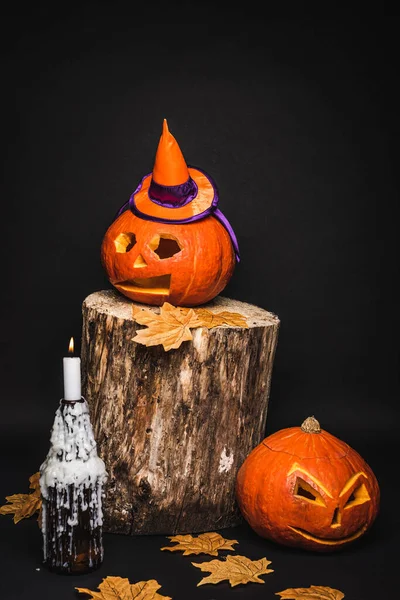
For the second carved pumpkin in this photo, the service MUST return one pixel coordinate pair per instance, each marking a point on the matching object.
(303, 487)
(170, 242)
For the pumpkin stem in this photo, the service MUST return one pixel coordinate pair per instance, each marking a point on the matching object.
(311, 425)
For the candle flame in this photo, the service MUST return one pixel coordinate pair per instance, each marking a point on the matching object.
(71, 346)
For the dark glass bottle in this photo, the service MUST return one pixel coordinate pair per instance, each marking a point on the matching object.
(71, 482)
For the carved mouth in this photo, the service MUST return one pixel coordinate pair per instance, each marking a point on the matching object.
(146, 285)
(328, 542)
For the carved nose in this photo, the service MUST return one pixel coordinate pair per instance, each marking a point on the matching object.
(336, 518)
(140, 262)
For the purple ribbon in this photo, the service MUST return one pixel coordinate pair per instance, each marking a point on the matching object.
(173, 196)
(159, 192)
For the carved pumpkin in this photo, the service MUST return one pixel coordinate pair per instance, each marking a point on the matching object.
(170, 242)
(304, 487)
(154, 263)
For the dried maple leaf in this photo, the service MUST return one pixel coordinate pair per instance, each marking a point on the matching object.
(169, 328)
(24, 506)
(119, 588)
(210, 319)
(236, 569)
(144, 316)
(314, 592)
(205, 543)
(34, 483)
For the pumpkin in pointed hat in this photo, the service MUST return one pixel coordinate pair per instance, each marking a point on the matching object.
(170, 242)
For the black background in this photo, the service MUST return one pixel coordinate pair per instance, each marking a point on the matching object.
(296, 120)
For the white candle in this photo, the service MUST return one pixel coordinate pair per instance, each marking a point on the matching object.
(72, 375)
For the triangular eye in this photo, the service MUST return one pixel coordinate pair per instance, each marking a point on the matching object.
(358, 496)
(352, 497)
(306, 491)
(307, 494)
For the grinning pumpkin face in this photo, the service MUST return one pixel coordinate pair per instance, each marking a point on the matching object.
(307, 489)
(153, 263)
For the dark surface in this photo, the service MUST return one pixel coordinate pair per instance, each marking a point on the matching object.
(296, 120)
(364, 570)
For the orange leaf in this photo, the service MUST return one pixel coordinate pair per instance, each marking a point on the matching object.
(34, 483)
(24, 506)
(209, 319)
(236, 569)
(205, 543)
(171, 326)
(118, 588)
(314, 592)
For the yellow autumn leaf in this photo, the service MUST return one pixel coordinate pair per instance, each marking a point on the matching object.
(34, 483)
(167, 312)
(205, 543)
(144, 316)
(23, 506)
(210, 319)
(235, 569)
(35, 486)
(314, 592)
(147, 590)
(119, 588)
(169, 328)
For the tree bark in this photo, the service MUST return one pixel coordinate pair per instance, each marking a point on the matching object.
(174, 427)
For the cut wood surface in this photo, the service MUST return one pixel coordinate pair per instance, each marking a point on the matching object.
(174, 427)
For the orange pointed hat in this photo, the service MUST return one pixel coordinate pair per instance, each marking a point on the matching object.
(176, 193)
(170, 167)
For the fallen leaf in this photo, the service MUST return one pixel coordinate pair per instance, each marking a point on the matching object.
(24, 506)
(314, 592)
(209, 319)
(119, 588)
(34, 483)
(171, 326)
(143, 316)
(236, 569)
(205, 543)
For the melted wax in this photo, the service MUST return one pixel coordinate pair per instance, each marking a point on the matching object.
(71, 482)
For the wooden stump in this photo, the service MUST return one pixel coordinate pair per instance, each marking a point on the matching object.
(174, 427)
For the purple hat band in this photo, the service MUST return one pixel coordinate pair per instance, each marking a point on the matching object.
(172, 196)
(175, 197)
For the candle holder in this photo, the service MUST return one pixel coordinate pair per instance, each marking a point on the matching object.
(71, 482)
(63, 401)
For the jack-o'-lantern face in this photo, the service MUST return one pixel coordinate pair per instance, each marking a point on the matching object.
(306, 489)
(331, 508)
(153, 263)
